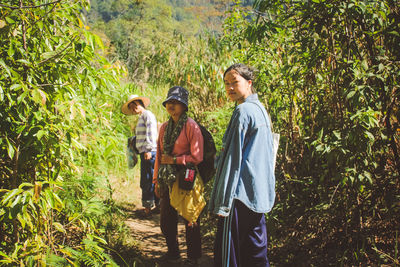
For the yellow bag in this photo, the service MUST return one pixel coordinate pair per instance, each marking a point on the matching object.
(188, 204)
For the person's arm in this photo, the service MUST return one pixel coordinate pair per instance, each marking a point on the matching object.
(157, 162)
(151, 134)
(196, 141)
(228, 171)
(194, 137)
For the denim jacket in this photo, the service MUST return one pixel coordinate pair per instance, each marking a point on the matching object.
(245, 165)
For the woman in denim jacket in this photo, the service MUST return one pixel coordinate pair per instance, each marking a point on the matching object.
(244, 186)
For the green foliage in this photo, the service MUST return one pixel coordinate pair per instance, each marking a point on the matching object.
(142, 30)
(328, 74)
(328, 71)
(40, 214)
(50, 77)
(194, 65)
(44, 67)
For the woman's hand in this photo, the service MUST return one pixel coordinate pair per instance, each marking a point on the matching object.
(147, 155)
(157, 190)
(167, 159)
(192, 224)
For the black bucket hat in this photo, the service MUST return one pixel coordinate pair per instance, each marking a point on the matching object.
(178, 93)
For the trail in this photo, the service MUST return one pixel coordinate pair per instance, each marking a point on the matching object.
(147, 230)
(152, 243)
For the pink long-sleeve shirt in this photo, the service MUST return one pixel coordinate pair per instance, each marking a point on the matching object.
(188, 146)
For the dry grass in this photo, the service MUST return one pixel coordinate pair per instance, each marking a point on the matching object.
(126, 188)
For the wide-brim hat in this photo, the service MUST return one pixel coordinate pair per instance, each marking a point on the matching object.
(127, 111)
(178, 93)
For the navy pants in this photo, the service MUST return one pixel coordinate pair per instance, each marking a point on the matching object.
(241, 238)
(169, 228)
(146, 181)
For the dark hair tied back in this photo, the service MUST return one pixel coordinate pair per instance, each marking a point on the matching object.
(243, 70)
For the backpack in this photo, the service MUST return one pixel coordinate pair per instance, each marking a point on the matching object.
(206, 167)
(132, 152)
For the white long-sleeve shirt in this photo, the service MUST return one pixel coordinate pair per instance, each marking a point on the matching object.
(146, 132)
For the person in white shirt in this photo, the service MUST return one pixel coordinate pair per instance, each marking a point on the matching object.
(146, 144)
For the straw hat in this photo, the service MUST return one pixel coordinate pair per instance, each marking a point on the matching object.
(125, 109)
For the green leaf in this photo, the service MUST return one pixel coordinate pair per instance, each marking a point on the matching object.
(320, 134)
(364, 64)
(337, 134)
(10, 195)
(5, 256)
(101, 240)
(15, 86)
(27, 217)
(108, 150)
(11, 50)
(99, 42)
(369, 135)
(351, 94)
(9, 20)
(1, 94)
(5, 66)
(48, 55)
(22, 96)
(77, 144)
(58, 202)
(39, 96)
(21, 128)
(16, 201)
(49, 198)
(26, 62)
(58, 226)
(21, 220)
(10, 149)
(395, 33)
(92, 82)
(40, 134)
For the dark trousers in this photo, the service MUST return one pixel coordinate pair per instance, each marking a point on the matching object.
(241, 238)
(169, 228)
(146, 180)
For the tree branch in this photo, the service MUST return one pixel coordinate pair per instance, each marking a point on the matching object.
(23, 29)
(25, 7)
(48, 12)
(50, 84)
(56, 55)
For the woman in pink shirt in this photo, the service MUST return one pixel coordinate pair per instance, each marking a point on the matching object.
(180, 143)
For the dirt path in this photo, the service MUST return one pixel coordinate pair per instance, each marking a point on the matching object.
(147, 230)
(152, 242)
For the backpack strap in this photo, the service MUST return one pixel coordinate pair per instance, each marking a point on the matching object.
(265, 117)
(275, 136)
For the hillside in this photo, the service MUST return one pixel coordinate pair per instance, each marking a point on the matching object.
(187, 17)
(136, 30)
